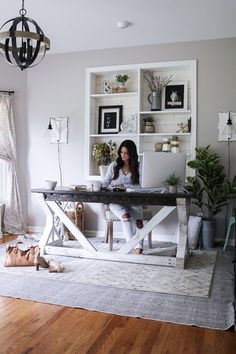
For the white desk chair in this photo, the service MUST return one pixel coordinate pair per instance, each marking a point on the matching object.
(110, 218)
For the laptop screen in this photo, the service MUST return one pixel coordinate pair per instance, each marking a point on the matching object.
(157, 166)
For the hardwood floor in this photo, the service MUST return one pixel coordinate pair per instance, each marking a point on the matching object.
(31, 327)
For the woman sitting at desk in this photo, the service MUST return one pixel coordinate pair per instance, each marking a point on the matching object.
(125, 173)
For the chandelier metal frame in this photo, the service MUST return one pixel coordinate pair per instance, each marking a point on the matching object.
(17, 44)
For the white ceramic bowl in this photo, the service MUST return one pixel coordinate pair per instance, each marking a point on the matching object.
(50, 184)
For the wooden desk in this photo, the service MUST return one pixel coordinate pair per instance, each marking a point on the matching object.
(51, 205)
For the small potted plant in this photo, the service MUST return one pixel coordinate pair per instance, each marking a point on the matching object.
(121, 79)
(172, 181)
(148, 125)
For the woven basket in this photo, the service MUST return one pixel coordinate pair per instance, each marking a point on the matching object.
(77, 217)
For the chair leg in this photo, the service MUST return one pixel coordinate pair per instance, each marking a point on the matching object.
(150, 240)
(110, 235)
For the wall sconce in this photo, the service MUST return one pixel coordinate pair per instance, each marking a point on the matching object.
(227, 132)
(58, 129)
(227, 126)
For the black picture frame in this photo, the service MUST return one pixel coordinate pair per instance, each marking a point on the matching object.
(109, 119)
(176, 96)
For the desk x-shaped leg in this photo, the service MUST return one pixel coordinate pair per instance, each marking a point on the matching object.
(89, 251)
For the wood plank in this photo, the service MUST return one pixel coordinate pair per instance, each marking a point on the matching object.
(112, 256)
(182, 248)
(42, 328)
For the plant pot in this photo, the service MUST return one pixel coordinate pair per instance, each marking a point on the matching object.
(172, 189)
(149, 127)
(155, 99)
(103, 170)
(208, 233)
(121, 87)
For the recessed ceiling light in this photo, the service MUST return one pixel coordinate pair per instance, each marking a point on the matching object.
(122, 24)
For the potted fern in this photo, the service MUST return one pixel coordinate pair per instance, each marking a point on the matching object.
(210, 188)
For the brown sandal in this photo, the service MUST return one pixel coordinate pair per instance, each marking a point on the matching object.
(55, 267)
(40, 261)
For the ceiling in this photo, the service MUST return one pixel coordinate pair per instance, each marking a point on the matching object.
(78, 25)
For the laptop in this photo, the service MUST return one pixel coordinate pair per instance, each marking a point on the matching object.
(157, 166)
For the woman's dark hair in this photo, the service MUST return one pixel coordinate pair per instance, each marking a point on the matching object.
(133, 161)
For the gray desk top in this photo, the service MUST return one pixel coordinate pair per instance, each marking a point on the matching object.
(61, 194)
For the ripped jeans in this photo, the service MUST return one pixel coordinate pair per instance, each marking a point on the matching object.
(127, 214)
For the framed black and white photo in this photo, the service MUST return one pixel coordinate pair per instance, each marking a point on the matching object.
(176, 95)
(109, 119)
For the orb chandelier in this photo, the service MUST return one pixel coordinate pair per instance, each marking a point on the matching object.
(23, 44)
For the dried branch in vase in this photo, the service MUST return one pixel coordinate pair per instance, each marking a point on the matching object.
(156, 82)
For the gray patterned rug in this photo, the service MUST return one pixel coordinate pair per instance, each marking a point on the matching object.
(216, 312)
(195, 280)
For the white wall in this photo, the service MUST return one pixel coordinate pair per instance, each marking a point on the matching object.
(57, 88)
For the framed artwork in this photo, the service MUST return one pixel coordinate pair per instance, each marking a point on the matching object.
(109, 119)
(176, 95)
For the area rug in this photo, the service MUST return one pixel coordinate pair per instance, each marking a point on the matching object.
(195, 280)
(216, 312)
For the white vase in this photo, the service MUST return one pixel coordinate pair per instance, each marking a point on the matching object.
(172, 189)
(103, 170)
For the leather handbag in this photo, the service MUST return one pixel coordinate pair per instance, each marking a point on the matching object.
(21, 255)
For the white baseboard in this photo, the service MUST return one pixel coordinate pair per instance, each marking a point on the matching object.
(36, 229)
(155, 237)
(94, 233)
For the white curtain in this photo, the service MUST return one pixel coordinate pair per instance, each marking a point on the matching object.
(13, 217)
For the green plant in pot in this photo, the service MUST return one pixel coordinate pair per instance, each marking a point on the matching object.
(148, 125)
(121, 80)
(172, 181)
(210, 190)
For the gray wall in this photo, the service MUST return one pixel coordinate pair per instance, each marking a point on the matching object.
(57, 88)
